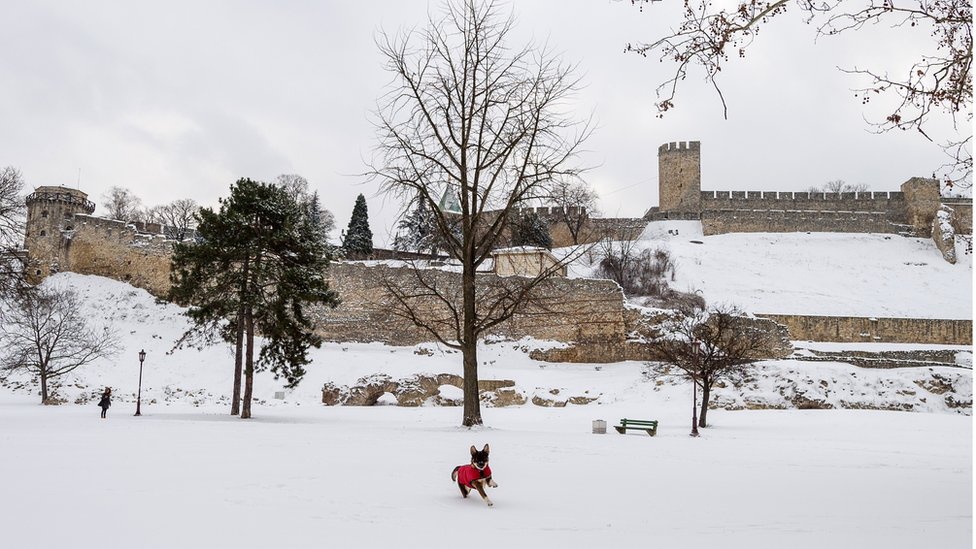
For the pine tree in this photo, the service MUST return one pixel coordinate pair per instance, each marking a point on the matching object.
(358, 239)
(256, 267)
(418, 231)
(530, 229)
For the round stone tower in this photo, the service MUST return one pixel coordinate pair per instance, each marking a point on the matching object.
(679, 177)
(50, 210)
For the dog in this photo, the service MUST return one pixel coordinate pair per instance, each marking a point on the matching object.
(476, 475)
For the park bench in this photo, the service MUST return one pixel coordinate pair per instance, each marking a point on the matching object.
(641, 424)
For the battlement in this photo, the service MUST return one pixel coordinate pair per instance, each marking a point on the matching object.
(677, 146)
(61, 195)
(555, 211)
(801, 196)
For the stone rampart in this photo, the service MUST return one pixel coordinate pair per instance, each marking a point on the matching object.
(568, 310)
(891, 203)
(114, 249)
(846, 329)
(784, 221)
(962, 219)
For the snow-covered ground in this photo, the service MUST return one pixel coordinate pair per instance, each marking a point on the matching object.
(301, 474)
(379, 477)
(816, 273)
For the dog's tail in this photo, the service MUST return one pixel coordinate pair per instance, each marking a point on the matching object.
(454, 473)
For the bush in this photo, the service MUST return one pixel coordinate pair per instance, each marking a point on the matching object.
(645, 274)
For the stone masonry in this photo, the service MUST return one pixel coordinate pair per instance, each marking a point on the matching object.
(909, 212)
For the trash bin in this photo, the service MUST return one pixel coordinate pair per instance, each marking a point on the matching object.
(599, 427)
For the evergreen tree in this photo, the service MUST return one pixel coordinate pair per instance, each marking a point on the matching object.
(257, 265)
(530, 229)
(418, 231)
(358, 239)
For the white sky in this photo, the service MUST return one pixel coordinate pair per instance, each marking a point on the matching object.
(179, 99)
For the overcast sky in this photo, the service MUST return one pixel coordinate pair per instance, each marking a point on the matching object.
(178, 99)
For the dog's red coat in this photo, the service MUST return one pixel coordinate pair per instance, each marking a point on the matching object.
(469, 473)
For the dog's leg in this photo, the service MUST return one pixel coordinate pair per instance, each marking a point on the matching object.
(480, 486)
(464, 490)
(492, 483)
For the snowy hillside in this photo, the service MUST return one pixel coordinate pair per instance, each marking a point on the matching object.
(816, 273)
(204, 376)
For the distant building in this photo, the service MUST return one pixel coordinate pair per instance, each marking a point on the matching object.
(526, 261)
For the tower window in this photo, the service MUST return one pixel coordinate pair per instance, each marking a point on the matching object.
(43, 233)
(44, 213)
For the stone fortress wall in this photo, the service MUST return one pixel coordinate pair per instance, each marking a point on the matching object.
(910, 211)
(583, 311)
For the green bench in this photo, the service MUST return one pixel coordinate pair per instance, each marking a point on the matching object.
(641, 424)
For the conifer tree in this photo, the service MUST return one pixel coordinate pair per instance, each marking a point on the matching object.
(530, 229)
(358, 239)
(418, 231)
(256, 267)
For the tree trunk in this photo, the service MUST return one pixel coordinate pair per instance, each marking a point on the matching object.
(235, 399)
(43, 385)
(248, 366)
(469, 350)
(706, 389)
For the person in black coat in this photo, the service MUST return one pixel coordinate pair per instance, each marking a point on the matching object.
(106, 401)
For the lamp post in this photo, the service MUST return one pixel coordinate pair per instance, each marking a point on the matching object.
(142, 357)
(694, 389)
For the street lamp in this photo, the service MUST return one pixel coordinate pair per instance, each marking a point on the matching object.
(694, 389)
(142, 357)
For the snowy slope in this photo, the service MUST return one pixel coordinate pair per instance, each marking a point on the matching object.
(816, 273)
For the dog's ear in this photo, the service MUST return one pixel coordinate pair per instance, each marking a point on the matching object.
(485, 449)
(473, 450)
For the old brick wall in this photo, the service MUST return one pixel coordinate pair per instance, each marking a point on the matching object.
(962, 218)
(567, 310)
(114, 249)
(772, 211)
(876, 329)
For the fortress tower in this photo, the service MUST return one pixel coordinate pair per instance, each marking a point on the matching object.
(679, 177)
(50, 210)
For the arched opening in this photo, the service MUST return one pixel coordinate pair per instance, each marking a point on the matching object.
(43, 233)
(44, 213)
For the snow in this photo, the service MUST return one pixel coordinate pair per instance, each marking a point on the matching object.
(834, 274)
(301, 474)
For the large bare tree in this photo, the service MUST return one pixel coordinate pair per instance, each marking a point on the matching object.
(473, 127)
(937, 84)
(708, 345)
(45, 333)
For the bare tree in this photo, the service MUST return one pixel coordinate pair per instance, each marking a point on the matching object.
(178, 217)
(710, 345)
(935, 85)
(45, 333)
(472, 122)
(12, 227)
(576, 202)
(839, 186)
(121, 204)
